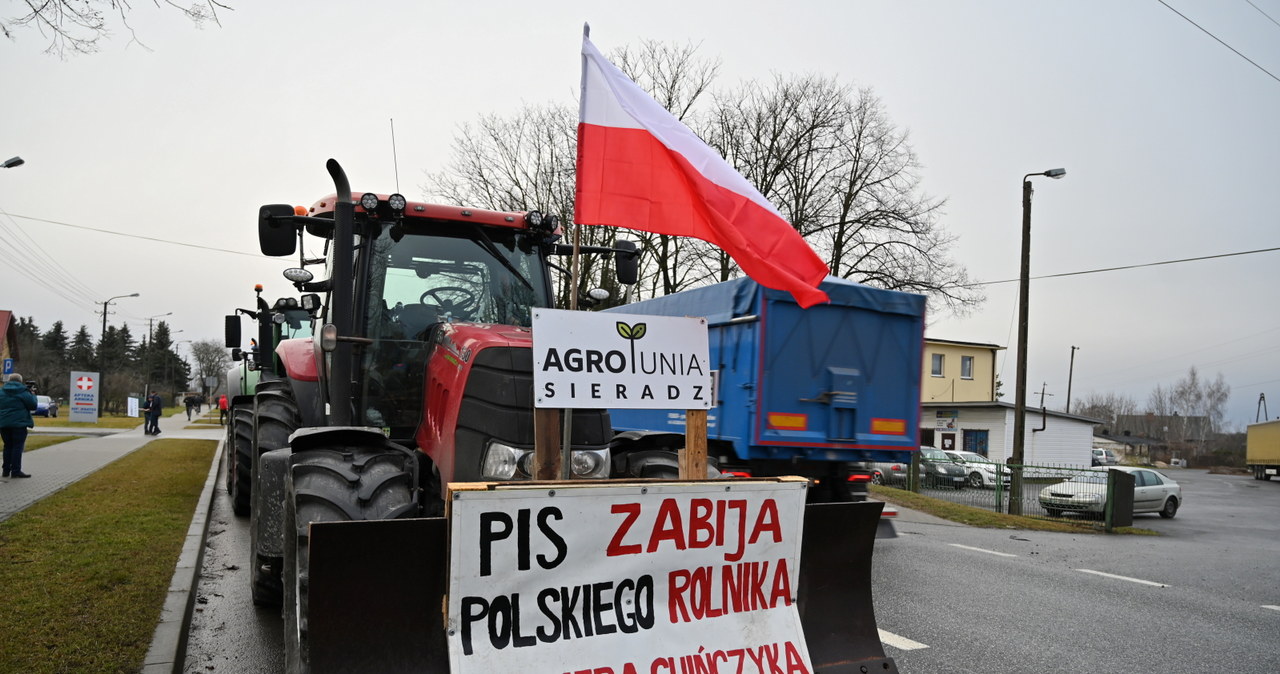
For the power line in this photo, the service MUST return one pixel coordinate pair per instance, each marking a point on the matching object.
(1263, 13)
(1268, 72)
(136, 236)
(1130, 266)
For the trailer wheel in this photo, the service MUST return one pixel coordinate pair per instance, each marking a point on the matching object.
(339, 483)
(241, 484)
(275, 417)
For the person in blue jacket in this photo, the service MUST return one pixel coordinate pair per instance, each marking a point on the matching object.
(16, 405)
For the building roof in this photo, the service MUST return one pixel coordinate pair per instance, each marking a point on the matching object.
(935, 340)
(1009, 406)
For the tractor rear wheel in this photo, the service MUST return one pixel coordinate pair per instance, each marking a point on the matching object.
(241, 484)
(356, 480)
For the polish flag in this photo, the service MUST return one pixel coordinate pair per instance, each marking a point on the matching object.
(639, 167)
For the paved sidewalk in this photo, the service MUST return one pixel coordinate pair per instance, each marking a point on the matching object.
(53, 468)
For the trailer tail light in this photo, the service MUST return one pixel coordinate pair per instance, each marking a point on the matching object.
(735, 473)
(860, 477)
(788, 422)
(889, 511)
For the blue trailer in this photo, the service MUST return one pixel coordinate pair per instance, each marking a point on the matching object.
(810, 392)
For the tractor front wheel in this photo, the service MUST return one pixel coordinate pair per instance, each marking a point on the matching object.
(357, 479)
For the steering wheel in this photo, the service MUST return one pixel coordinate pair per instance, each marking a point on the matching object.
(450, 299)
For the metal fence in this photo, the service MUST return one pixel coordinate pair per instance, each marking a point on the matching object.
(1047, 490)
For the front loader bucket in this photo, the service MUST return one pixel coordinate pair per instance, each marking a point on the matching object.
(376, 593)
(835, 589)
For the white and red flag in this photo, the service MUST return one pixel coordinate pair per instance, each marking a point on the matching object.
(639, 167)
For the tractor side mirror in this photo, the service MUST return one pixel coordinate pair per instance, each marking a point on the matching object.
(626, 262)
(277, 235)
(232, 331)
(237, 355)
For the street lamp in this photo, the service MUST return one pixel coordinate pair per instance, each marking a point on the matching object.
(104, 312)
(150, 319)
(14, 161)
(1020, 398)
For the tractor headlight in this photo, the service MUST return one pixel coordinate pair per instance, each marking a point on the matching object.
(369, 201)
(591, 463)
(397, 202)
(500, 461)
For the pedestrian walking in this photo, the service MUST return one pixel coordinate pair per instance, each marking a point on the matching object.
(222, 409)
(190, 402)
(155, 405)
(17, 403)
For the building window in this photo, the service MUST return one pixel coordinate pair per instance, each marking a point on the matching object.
(966, 367)
(937, 365)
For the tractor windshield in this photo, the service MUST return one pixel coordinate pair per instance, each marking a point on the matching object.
(459, 274)
(456, 272)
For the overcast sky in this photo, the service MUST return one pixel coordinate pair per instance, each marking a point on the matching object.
(1171, 142)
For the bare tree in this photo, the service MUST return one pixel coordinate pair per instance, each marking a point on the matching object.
(78, 26)
(824, 153)
(846, 178)
(211, 360)
(1108, 407)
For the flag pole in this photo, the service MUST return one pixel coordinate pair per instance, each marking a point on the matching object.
(566, 432)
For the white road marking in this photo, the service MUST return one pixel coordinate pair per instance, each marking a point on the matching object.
(1273, 608)
(1131, 580)
(989, 552)
(901, 643)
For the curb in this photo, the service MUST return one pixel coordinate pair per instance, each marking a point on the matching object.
(167, 652)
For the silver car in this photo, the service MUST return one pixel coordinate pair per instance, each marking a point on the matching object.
(1153, 492)
(982, 471)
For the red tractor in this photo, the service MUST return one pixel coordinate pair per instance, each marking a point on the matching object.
(421, 374)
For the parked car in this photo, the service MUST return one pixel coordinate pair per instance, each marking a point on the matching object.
(46, 407)
(1105, 457)
(939, 470)
(981, 470)
(1153, 492)
(889, 472)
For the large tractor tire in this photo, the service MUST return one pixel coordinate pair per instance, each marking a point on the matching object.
(241, 488)
(358, 479)
(275, 418)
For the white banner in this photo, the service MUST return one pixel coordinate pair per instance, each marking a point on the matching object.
(84, 397)
(631, 579)
(585, 359)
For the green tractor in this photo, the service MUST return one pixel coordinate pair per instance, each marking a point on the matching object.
(256, 370)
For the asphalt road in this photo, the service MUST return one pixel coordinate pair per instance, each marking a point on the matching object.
(228, 632)
(951, 598)
(1203, 596)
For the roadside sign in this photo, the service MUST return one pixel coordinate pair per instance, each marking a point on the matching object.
(639, 578)
(8, 366)
(584, 359)
(84, 397)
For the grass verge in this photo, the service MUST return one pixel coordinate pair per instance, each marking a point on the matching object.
(85, 571)
(35, 442)
(979, 517)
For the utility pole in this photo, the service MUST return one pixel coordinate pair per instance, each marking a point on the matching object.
(1070, 372)
(1024, 303)
(104, 314)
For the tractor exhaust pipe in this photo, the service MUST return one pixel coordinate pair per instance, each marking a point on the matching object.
(341, 363)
